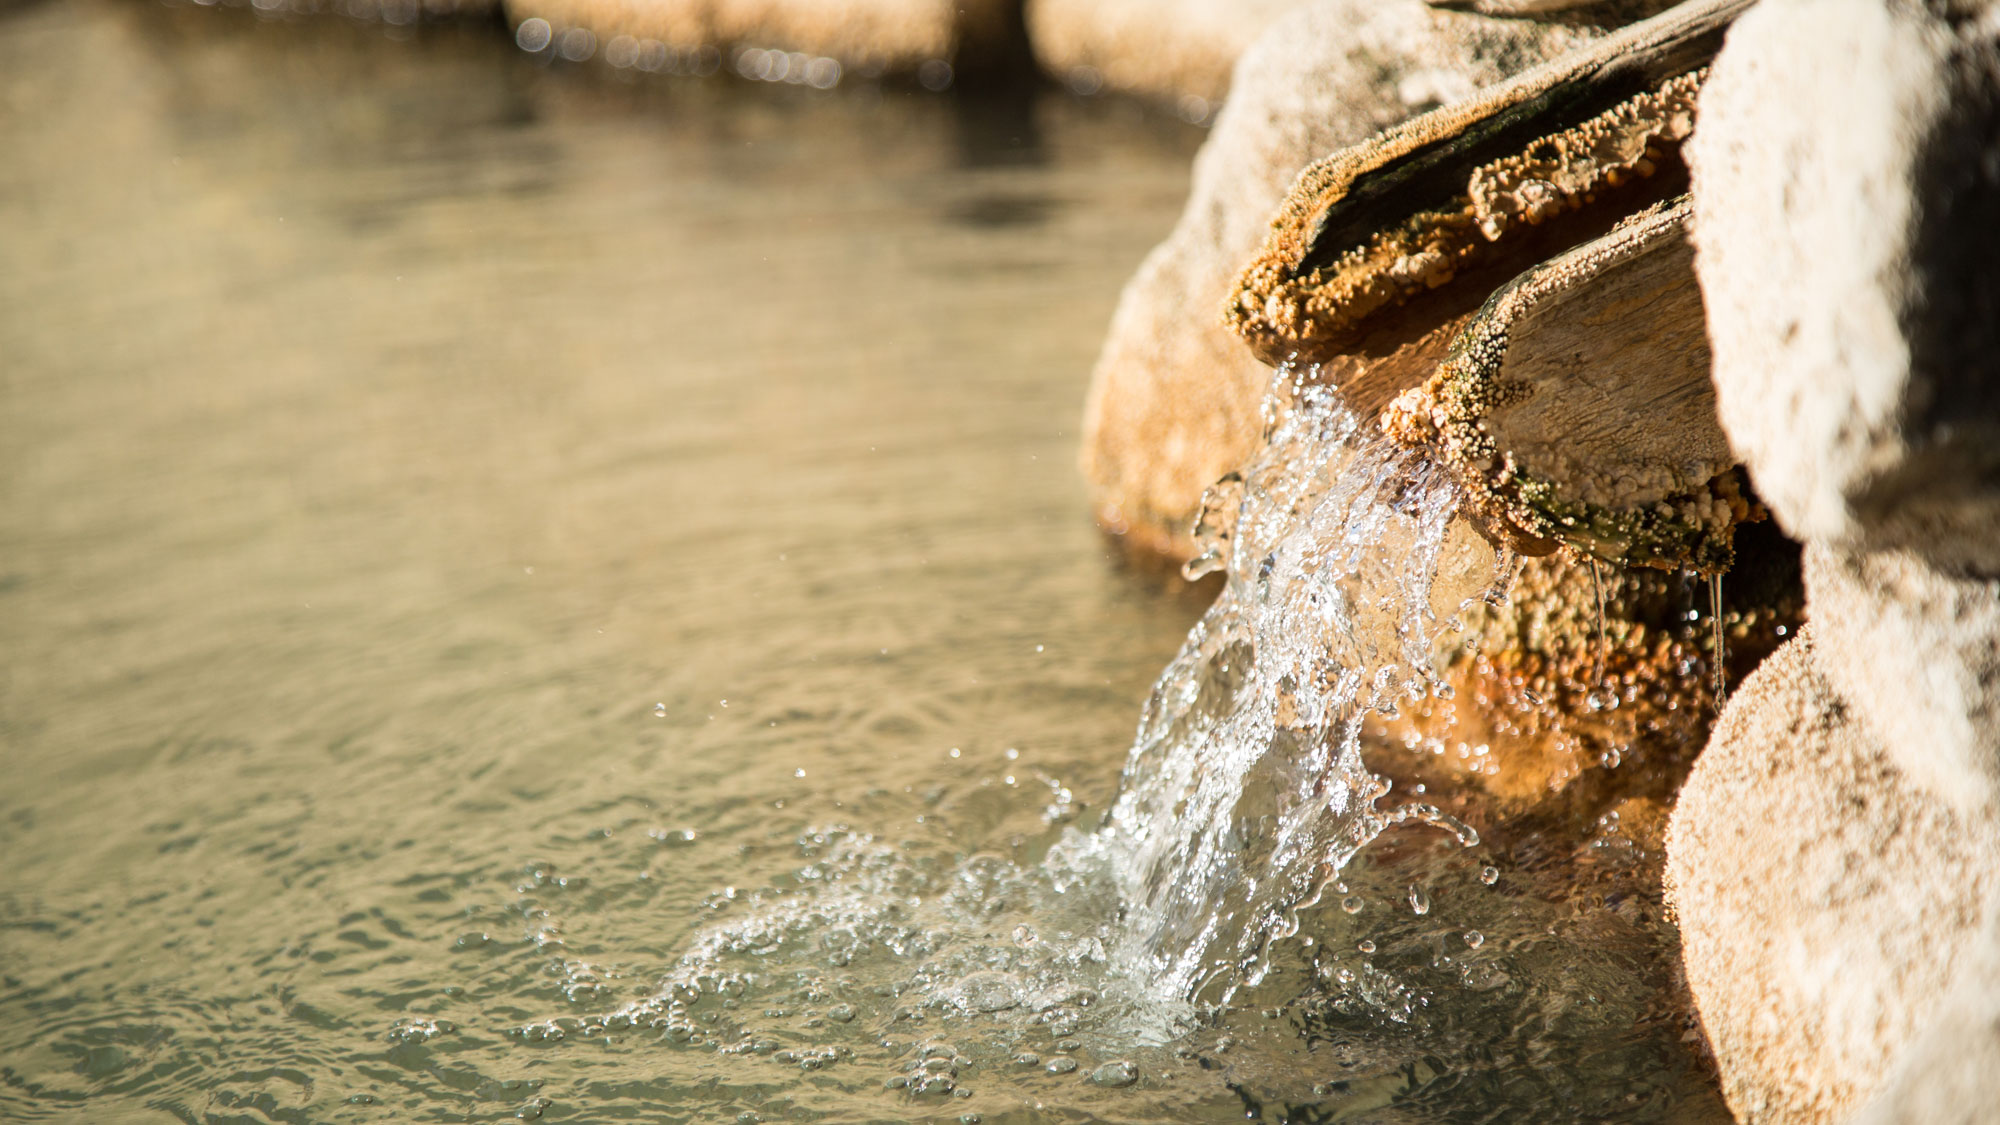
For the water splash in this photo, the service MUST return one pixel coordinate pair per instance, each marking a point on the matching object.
(1244, 795)
(1245, 791)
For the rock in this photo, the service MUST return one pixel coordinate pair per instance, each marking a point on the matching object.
(1825, 899)
(1174, 399)
(1918, 651)
(1170, 48)
(1516, 268)
(1576, 406)
(1847, 192)
(1951, 1076)
(863, 36)
(1422, 222)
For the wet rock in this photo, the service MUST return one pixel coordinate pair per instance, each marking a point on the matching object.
(1535, 405)
(1174, 399)
(1561, 710)
(1513, 271)
(1423, 221)
(1825, 898)
(928, 38)
(1172, 48)
(1847, 194)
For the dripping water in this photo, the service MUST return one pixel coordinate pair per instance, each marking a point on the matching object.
(1601, 694)
(1718, 644)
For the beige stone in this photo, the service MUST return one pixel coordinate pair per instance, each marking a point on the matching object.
(1951, 1076)
(1918, 651)
(1847, 187)
(1173, 48)
(1825, 900)
(1174, 400)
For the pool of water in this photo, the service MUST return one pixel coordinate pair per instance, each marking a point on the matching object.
(525, 593)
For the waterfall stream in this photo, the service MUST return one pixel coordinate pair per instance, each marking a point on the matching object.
(1246, 790)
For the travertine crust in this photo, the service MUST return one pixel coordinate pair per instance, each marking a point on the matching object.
(1376, 225)
(1174, 397)
(1576, 406)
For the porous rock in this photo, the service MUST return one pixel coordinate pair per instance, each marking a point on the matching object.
(1826, 900)
(867, 36)
(1847, 188)
(1576, 406)
(1418, 224)
(1951, 1075)
(1918, 650)
(1174, 398)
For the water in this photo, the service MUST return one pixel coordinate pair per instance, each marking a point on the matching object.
(529, 593)
(1246, 789)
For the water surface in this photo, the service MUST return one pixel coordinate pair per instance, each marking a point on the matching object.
(440, 491)
(527, 593)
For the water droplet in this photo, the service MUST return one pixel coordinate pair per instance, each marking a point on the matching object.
(1489, 875)
(1027, 1058)
(840, 1013)
(1420, 901)
(1474, 938)
(1344, 976)
(1115, 1073)
(1352, 904)
(1061, 1064)
(659, 710)
(1366, 946)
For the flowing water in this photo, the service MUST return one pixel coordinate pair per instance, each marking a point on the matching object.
(531, 594)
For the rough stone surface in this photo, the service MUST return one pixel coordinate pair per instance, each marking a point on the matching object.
(1174, 399)
(1847, 189)
(1951, 1076)
(1918, 651)
(1825, 899)
(1174, 48)
(867, 35)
